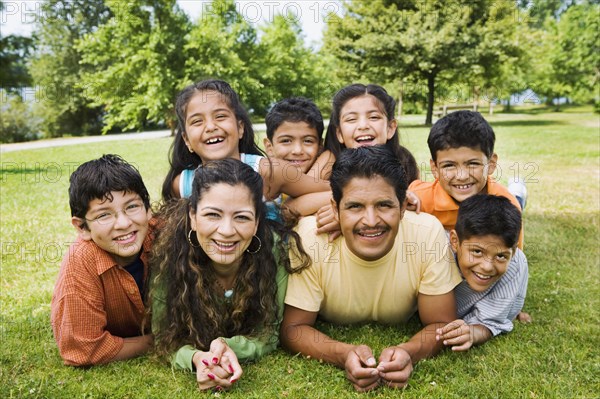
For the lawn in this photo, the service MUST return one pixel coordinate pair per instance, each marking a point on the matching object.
(556, 356)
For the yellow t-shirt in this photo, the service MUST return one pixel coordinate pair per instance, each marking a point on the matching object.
(345, 289)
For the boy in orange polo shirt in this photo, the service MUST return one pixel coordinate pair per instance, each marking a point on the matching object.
(97, 305)
(462, 162)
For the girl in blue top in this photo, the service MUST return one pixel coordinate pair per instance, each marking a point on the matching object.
(213, 125)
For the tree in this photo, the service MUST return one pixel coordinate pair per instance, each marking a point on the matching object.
(388, 41)
(136, 63)
(56, 68)
(14, 52)
(283, 65)
(221, 45)
(568, 55)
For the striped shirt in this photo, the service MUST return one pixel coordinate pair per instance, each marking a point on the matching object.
(496, 307)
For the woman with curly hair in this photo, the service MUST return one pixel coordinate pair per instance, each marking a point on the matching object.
(219, 275)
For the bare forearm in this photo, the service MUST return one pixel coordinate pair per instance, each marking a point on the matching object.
(313, 343)
(134, 346)
(423, 344)
(308, 204)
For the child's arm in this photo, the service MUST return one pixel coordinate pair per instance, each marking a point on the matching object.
(308, 204)
(322, 165)
(283, 177)
(461, 336)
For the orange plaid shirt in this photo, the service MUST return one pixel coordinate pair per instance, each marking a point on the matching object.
(95, 304)
(437, 202)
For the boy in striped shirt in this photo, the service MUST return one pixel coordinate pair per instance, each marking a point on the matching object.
(493, 268)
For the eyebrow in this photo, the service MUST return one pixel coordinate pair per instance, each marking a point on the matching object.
(220, 210)
(224, 109)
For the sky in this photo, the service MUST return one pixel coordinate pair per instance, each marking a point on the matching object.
(18, 16)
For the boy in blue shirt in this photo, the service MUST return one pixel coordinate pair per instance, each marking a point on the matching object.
(493, 268)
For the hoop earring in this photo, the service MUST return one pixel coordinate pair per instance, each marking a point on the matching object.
(257, 249)
(189, 237)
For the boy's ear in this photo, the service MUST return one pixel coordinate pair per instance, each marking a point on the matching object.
(434, 169)
(492, 163)
(81, 228)
(392, 125)
(268, 147)
(454, 242)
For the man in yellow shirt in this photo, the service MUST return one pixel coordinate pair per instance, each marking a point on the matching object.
(387, 264)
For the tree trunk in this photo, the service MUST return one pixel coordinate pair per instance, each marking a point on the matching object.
(400, 101)
(430, 98)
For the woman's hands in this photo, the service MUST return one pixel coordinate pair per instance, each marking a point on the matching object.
(218, 368)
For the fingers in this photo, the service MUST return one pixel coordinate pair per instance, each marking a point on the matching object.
(217, 347)
(395, 367)
(524, 317)
(413, 202)
(360, 369)
(230, 362)
(449, 328)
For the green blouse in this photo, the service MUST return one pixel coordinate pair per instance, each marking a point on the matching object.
(246, 349)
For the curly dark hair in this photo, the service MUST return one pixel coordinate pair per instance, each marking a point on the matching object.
(183, 275)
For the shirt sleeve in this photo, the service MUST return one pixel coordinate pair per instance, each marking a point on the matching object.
(500, 306)
(304, 290)
(185, 183)
(441, 274)
(79, 323)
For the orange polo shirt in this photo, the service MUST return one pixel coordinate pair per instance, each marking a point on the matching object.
(436, 201)
(95, 304)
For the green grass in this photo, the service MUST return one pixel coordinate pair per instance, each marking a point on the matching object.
(555, 357)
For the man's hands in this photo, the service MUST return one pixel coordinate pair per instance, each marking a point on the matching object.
(393, 370)
(218, 368)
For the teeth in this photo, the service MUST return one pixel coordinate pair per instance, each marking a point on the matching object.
(225, 244)
(464, 187)
(365, 138)
(125, 237)
(482, 276)
(371, 234)
(214, 140)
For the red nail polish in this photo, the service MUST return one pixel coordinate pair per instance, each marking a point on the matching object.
(233, 380)
(211, 376)
(218, 388)
(215, 360)
(205, 362)
(230, 368)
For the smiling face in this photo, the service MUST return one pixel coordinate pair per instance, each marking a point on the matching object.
(225, 221)
(364, 122)
(463, 172)
(122, 237)
(212, 130)
(482, 260)
(369, 214)
(295, 142)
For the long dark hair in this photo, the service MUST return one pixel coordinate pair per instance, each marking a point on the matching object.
(389, 105)
(180, 157)
(182, 274)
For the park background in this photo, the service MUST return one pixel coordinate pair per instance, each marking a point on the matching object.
(110, 67)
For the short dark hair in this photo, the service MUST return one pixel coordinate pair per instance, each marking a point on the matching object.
(96, 179)
(483, 214)
(461, 129)
(367, 162)
(294, 109)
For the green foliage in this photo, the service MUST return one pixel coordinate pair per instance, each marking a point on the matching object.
(14, 51)
(57, 70)
(17, 123)
(402, 41)
(554, 357)
(136, 63)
